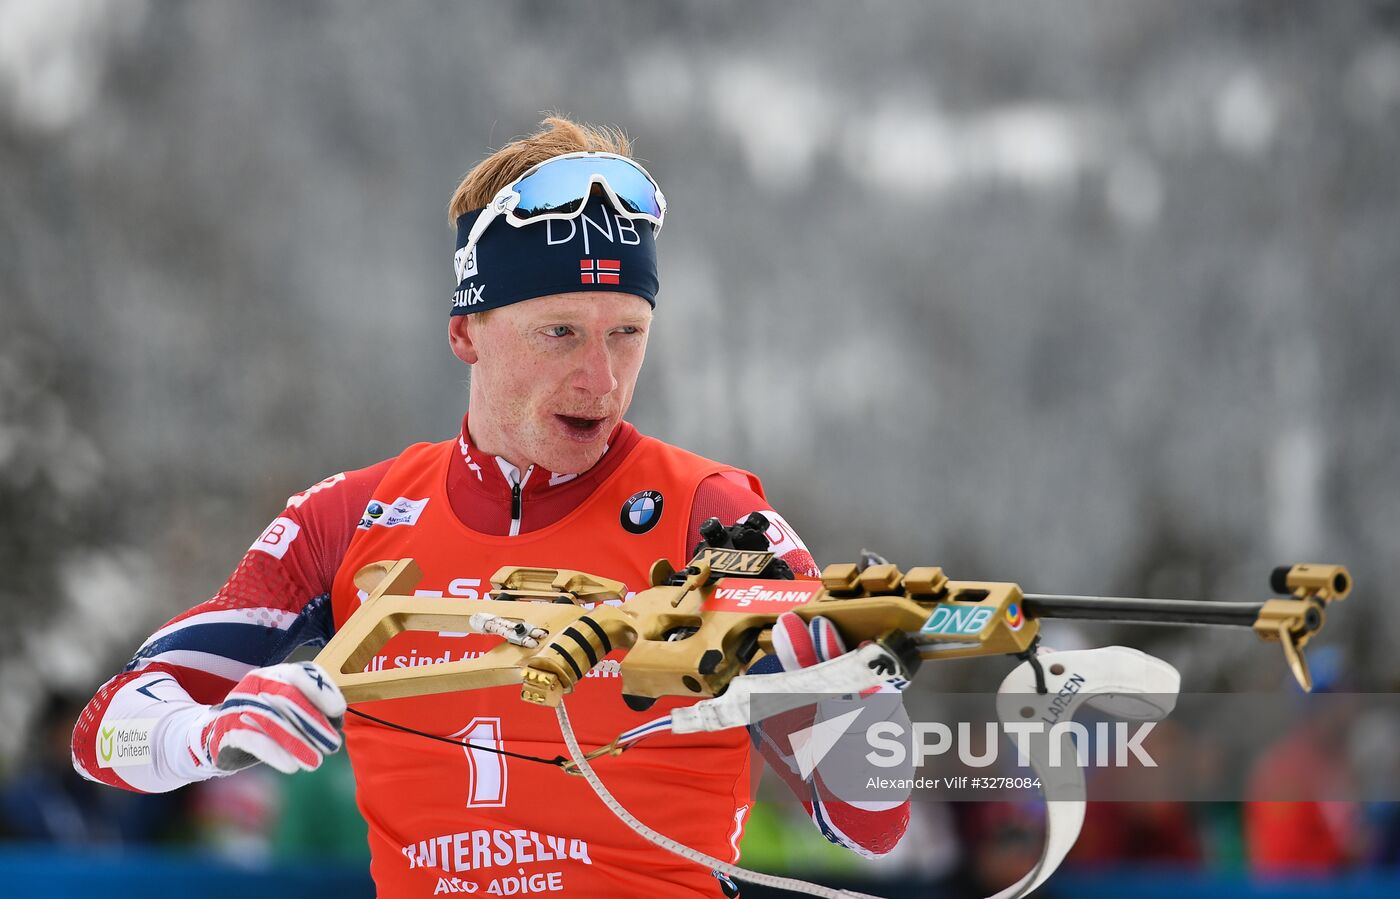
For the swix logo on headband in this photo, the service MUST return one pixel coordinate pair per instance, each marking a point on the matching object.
(599, 271)
(470, 295)
(558, 232)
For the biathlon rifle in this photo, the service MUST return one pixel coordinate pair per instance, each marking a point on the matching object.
(696, 631)
(698, 628)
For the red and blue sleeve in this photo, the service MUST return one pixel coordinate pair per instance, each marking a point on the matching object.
(278, 598)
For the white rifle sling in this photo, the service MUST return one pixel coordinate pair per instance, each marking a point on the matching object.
(1116, 680)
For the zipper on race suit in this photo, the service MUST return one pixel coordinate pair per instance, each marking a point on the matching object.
(516, 486)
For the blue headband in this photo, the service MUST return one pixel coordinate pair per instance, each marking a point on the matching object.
(596, 250)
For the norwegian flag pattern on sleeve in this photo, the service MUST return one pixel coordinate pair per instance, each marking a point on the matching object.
(278, 598)
(868, 828)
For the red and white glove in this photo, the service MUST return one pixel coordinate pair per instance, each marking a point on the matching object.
(801, 644)
(287, 715)
(870, 827)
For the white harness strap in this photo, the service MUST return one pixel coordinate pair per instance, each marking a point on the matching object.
(851, 672)
(1116, 680)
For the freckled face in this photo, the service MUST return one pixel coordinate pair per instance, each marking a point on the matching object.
(552, 376)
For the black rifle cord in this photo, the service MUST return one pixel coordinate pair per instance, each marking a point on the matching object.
(558, 761)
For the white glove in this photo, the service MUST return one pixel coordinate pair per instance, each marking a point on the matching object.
(286, 715)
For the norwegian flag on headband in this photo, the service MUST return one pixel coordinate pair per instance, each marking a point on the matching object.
(599, 271)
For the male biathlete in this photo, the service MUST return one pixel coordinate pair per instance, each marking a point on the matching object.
(557, 280)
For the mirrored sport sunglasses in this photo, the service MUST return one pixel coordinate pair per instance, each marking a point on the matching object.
(559, 188)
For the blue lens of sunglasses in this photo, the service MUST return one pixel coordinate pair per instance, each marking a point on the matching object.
(563, 186)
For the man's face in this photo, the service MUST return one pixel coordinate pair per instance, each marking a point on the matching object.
(552, 376)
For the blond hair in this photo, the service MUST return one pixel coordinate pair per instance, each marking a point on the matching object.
(557, 136)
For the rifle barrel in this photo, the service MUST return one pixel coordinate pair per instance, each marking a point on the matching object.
(1143, 611)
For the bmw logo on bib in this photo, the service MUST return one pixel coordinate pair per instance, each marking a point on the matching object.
(641, 512)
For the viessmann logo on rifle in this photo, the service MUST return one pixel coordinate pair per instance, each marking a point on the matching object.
(744, 595)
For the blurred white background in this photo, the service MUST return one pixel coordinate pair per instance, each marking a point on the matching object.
(1095, 297)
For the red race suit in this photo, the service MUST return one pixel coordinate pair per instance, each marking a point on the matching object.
(446, 818)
